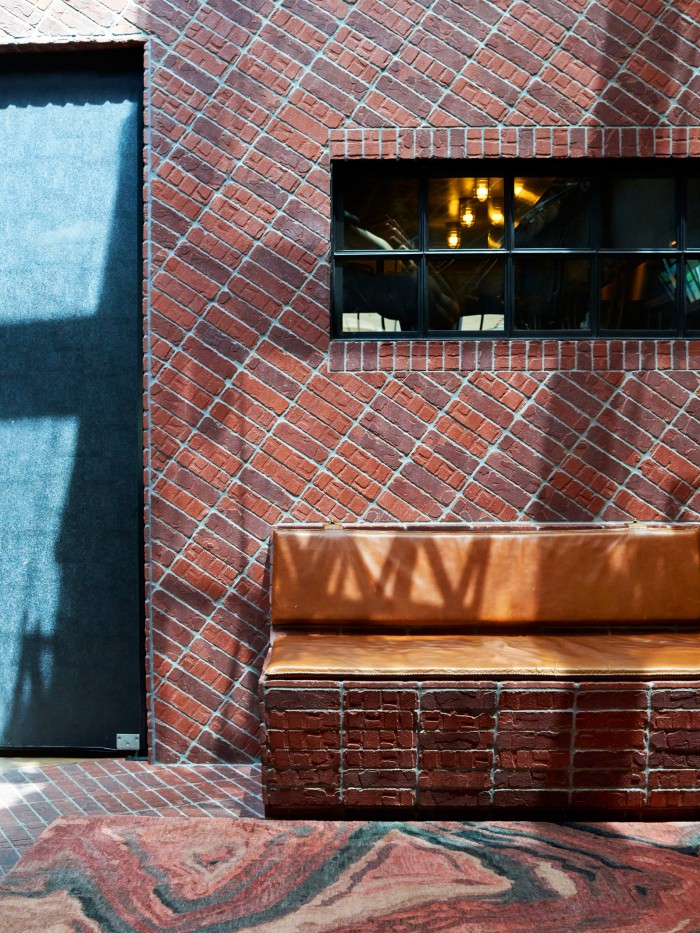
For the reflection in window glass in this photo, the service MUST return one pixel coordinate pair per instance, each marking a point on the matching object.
(551, 212)
(638, 293)
(639, 213)
(692, 293)
(379, 294)
(551, 293)
(465, 213)
(693, 225)
(380, 213)
(466, 293)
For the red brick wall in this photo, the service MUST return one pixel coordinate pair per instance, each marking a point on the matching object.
(252, 418)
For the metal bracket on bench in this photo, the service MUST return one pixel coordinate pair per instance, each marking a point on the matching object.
(332, 525)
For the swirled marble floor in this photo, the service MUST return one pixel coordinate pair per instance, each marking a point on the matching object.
(187, 875)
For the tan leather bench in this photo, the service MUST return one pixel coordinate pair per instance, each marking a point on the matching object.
(382, 637)
(594, 600)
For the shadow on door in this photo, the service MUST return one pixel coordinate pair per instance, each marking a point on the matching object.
(71, 587)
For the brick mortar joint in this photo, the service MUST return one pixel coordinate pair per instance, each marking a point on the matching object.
(647, 742)
(418, 738)
(494, 750)
(572, 743)
(341, 775)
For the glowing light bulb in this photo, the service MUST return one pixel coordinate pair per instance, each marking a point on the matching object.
(453, 238)
(481, 189)
(466, 213)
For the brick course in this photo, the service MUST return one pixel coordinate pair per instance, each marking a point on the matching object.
(253, 418)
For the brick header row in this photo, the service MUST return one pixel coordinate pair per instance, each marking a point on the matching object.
(513, 355)
(390, 142)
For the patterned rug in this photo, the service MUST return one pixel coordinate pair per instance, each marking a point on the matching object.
(187, 875)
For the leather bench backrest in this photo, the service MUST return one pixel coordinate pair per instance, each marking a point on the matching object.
(506, 577)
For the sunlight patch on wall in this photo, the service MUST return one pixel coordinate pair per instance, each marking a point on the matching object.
(56, 219)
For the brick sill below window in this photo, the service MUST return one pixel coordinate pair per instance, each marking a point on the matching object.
(535, 355)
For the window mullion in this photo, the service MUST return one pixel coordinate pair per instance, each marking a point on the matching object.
(337, 196)
(596, 264)
(509, 284)
(681, 204)
(423, 238)
(337, 293)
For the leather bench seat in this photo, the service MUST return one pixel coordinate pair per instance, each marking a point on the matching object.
(494, 669)
(597, 600)
(594, 654)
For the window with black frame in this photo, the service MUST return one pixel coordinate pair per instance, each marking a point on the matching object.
(516, 248)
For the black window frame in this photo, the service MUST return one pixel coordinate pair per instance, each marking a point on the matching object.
(597, 171)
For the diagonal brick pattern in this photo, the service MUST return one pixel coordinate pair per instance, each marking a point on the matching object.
(252, 419)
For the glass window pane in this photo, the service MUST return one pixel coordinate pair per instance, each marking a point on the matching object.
(639, 213)
(638, 293)
(552, 212)
(380, 213)
(465, 213)
(466, 293)
(692, 293)
(551, 293)
(693, 226)
(378, 294)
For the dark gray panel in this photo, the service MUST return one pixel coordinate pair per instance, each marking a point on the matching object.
(70, 401)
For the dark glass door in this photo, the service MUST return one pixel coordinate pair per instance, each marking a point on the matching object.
(71, 588)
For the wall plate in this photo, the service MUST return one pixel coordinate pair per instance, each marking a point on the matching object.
(128, 741)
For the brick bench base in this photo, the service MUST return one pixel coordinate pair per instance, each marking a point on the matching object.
(554, 748)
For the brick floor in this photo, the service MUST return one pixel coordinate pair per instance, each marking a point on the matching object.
(32, 796)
